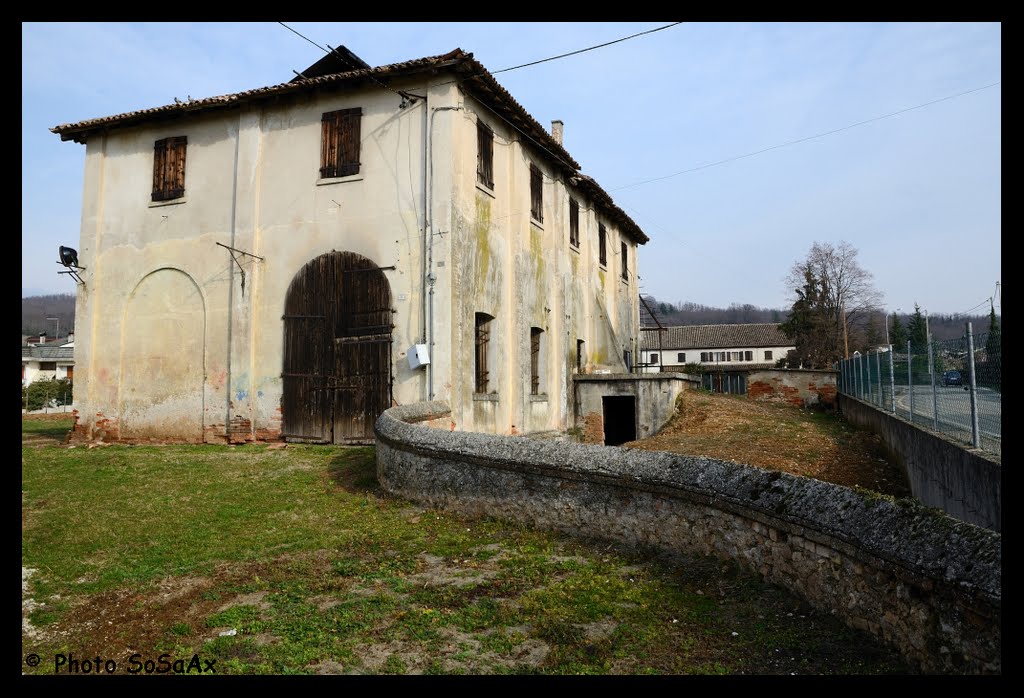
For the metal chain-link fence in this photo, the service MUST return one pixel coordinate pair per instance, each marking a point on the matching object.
(952, 386)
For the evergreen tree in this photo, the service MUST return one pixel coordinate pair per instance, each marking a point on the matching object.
(897, 334)
(806, 325)
(993, 345)
(918, 331)
(873, 335)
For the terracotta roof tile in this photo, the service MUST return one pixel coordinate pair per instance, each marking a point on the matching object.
(686, 337)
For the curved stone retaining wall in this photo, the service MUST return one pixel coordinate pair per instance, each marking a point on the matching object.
(919, 580)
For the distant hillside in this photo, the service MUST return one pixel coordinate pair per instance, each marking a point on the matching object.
(687, 313)
(669, 314)
(36, 309)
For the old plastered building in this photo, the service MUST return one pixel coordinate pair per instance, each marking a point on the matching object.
(263, 265)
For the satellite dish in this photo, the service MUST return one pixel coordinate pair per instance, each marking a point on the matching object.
(68, 256)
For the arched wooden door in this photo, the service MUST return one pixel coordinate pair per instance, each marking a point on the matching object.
(337, 350)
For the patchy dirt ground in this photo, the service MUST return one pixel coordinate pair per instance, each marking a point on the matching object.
(778, 437)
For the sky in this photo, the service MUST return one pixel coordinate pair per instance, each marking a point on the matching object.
(709, 135)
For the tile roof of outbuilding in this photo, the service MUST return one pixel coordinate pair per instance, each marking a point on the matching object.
(48, 353)
(716, 337)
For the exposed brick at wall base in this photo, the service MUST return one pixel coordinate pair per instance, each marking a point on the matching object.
(101, 429)
(593, 428)
(921, 581)
(797, 387)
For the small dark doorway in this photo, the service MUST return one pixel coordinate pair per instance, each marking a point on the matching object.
(619, 419)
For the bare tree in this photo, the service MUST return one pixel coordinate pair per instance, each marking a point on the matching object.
(842, 285)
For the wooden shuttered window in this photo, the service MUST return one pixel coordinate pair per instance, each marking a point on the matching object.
(574, 223)
(536, 194)
(484, 154)
(602, 245)
(339, 142)
(169, 168)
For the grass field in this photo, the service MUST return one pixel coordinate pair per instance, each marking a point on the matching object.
(268, 560)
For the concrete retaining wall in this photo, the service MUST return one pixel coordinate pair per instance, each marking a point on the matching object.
(966, 483)
(921, 581)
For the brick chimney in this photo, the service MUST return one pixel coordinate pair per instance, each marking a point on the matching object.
(71, 337)
(42, 338)
(556, 130)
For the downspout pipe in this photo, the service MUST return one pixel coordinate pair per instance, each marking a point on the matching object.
(428, 240)
(231, 284)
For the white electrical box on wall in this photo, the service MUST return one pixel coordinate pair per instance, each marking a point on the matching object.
(418, 356)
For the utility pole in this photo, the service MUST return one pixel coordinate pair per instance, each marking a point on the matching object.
(928, 339)
(846, 341)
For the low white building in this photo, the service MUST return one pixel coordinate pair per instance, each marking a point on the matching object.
(45, 360)
(748, 346)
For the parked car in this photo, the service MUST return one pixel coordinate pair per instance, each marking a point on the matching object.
(952, 378)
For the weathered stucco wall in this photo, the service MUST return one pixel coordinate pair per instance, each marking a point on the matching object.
(965, 482)
(799, 387)
(252, 183)
(655, 402)
(524, 273)
(923, 582)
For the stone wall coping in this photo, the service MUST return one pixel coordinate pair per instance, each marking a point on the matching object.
(597, 377)
(898, 533)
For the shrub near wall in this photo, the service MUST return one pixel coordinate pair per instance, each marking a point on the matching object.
(919, 580)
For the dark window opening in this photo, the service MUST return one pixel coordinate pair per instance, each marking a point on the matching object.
(339, 143)
(484, 154)
(483, 340)
(654, 358)
(47, 365)
(767, 356)
(169, 168)
(625, 262)
(602, 247)
(619, 419)
(574, 223)
(536, 194)
(535, 335)
(681, 358)
(580, 355)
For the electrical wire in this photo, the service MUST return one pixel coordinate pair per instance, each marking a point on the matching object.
(970, 310)
(340, 58)
(584, 50)
(802, 140)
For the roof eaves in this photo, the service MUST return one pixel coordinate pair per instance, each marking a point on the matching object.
(79, 131)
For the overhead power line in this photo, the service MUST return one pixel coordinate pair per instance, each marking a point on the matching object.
(802, 140)
(971, 310)
(584, 50)
(332, 52)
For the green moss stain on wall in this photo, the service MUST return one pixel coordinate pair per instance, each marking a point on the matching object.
(483, 241)
(537, 257)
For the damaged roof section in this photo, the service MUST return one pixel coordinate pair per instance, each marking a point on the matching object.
(474, 79)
